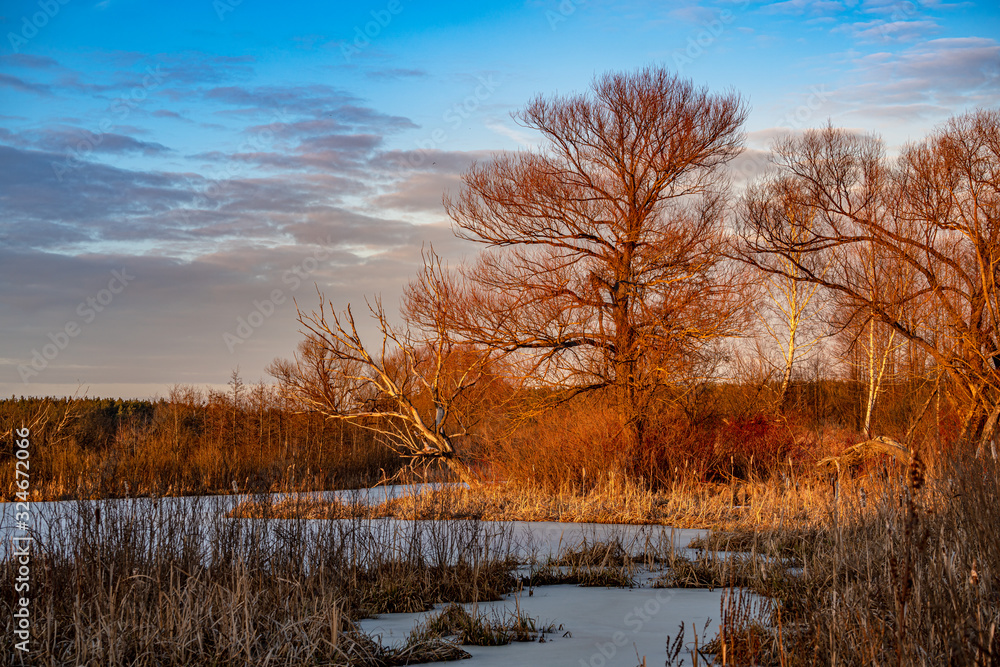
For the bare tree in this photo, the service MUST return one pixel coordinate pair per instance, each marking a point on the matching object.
(933, 211)
(408, 389)
(879, 344)
(790, 312)
(603, 263)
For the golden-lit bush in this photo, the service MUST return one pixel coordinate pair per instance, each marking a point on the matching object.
(572, 446)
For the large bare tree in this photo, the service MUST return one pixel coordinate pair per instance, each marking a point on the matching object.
(603, 262)
(935, 212)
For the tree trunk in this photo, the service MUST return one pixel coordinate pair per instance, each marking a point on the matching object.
(463, 472)
(786, 378)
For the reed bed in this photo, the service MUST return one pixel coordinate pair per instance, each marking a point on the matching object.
(602, 563)
(907, 574)
(477, 628)
(774, 502)
(171, 582)
(898, 566)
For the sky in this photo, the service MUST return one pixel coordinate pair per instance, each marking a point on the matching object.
(175, 177)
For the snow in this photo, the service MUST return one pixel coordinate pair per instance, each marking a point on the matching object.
(603, 626)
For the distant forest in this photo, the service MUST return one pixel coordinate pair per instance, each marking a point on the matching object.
(192, 442)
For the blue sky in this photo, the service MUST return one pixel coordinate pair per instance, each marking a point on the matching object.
(222, 157)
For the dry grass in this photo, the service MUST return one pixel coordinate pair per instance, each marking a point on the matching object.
(872, 569)
(606, 564)
(302, 506)
(909, 575)
(173, 583)
(779, 502)
(477, 628)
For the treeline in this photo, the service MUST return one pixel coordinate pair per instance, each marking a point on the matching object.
(192, 442)
(203, 442)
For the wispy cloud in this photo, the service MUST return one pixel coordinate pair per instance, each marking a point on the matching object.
(63, 138)
(19, 84)
(927, 81)
(890, 31)
(28, 61)
(800, 7)
(396, 73)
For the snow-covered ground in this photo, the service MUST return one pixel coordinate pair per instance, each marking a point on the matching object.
(598, 627)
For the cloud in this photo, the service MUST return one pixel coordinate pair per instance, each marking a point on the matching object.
(396, 73)
(693, 14)
(172, 74)
(26, 60)
(77, 200)
(314, 129)
(67, 139)
(197, 68)
(295, 172)
(220, 248)
(312, 145)
(353, 229)
(799, 7)
(420, 192)
(19, 84)
(751, 164)
(515, 133)
(350, 143)
(120, 143)
(889, 31)
(898, 10)
(169, 322)
(166, 113)
(312, 100)
(947, 73)
(427, 160)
